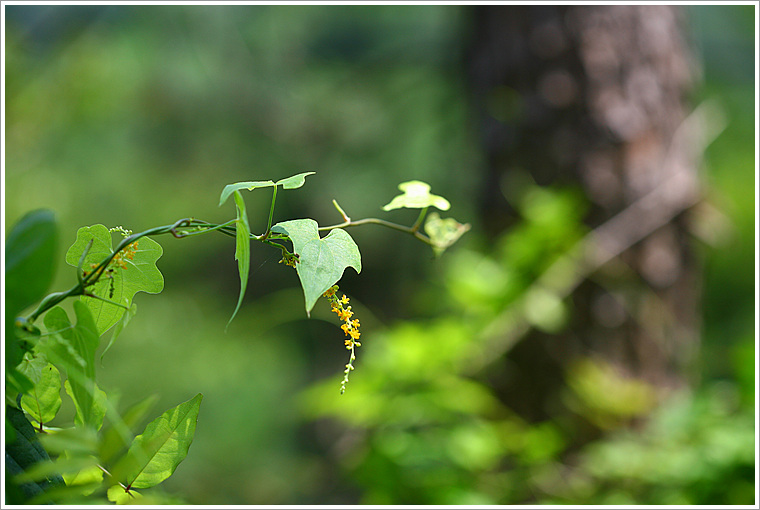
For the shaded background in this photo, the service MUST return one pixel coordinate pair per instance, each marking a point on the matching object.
(138, 116)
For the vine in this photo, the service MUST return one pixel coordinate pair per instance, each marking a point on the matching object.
(107, 278)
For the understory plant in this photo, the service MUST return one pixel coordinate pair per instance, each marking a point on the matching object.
(98, 457)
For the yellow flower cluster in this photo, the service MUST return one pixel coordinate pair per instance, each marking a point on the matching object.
(350, 327)
(126, 253)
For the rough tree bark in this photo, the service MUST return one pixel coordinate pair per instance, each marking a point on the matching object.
(596, 96)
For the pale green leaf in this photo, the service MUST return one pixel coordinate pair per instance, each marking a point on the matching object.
(295, 181)
(292, 182)
(88, 474)
(242, 249)
(416, 196)
(44, 401)
(443, 232)
(120, 496)
(249, 185)
(72, 346)
(321, 261)
(98, 410)
(156, 453)
(141, 274)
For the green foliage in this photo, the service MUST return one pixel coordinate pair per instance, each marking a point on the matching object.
(29, 268)
(156, 453)
(321, 261)
(113, 295)
(97, 457)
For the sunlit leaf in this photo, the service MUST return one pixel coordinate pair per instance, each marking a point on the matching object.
(242, 249)
(156, 453)
(416, 196)
(140, 275)
(443, 232)
(44, 401)
(72, 346)
(292, 182)
(321, 261)
(120, 496)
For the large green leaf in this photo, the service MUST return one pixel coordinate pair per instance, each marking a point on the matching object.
(242, 249)
(113, 441)
(322, 261)
(292, 182)
(73, 346)
(29, 268)
(156, 453)
(141, 274)
(44, 400)
(416, 196)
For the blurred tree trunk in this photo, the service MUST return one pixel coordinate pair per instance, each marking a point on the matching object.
(595, 97)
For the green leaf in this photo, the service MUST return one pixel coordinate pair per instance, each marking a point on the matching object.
(242, 249)
(416, 196)
(73, 347)
(292, 182)
(98, 411)
(128, 314)
(295, 181)
(120, 496)
(88, 475)
(321, 262)
(443, 232)
(156, 453)
(141, 274)
(44, 401)
(29, 268)
(113, 442)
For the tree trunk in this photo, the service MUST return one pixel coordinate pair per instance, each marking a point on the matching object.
(594, 96)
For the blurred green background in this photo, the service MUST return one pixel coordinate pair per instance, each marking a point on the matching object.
(138, 116)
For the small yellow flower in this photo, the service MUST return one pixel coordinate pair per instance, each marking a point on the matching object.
(344, 299)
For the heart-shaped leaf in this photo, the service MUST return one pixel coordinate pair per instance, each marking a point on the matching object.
(140, 275)
(416, 196)
(292, 182)
(321, 261)
(44, 401)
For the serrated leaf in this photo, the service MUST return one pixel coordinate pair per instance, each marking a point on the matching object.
(292, 182)
(98, 410)
(321, 261)
(141, 274)
(156, 453)
(72, 346)
(242, 249)
(44, 400)
(443, 232)
(416, 196)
